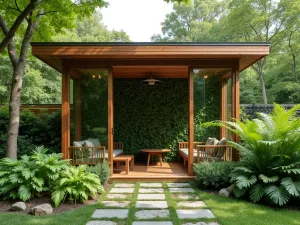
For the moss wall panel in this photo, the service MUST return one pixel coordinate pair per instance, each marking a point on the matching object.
(157, 116)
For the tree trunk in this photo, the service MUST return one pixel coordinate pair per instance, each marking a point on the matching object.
(14, 112)
(258, 67)
(294, 68)
(17, 82)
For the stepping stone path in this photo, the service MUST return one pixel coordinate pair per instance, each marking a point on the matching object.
(150, 205)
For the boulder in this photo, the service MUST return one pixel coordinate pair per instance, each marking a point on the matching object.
(224, 192)
(18, 206)
(43, 209)
(230, 189)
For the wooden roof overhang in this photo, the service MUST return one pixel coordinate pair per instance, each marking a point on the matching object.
(131, 60)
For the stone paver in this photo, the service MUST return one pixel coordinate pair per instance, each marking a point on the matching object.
(101, 222)
(152, 223)
(110, 213)
(151, 197)
(151, 190)
(122, 190)
(181, 190)
(121, 204)
(152, 204)
(191, 204)
(201, 223)
(185, 196)
(179, 185)
(124, 185)
(112, 196)
(150, 185)
(194, 213)
(150, 214)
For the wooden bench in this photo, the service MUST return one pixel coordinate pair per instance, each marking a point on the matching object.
(128, 159)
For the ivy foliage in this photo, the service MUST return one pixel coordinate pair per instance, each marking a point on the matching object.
(157, 116)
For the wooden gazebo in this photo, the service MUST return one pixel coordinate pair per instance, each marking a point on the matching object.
(133, 60)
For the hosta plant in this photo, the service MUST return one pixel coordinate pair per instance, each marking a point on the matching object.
(269, 155)
(29, 176)
(76, 185)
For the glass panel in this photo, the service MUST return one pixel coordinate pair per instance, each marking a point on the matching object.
(89, 117)
(207, 89)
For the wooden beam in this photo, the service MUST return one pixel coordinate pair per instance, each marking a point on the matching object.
(191, 121)
(110, 118)
(78, 110)
(235, 105)
(65, 113)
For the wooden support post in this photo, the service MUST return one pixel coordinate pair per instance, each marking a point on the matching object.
(235, 105)
(78, 110)
(65, 113)
(191, 122)
(110, 118)
(223, 105)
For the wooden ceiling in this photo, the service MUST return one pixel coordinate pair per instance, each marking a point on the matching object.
(130, 60)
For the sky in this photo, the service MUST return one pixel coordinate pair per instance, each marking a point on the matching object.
(140, 19)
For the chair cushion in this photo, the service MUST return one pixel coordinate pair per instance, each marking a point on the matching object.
(116, 152)
(89, 143)
(219, 152)
(78, 143)
(210, 141)
(95, 141)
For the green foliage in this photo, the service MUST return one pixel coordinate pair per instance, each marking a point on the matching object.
(270, 156)
(42, 129)
(157, 116)
(102, 170)
(29, 176)
(76, 185)
(213, 174)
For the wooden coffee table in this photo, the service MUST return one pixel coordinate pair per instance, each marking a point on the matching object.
(152, 152)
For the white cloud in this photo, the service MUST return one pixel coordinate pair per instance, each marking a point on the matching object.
(140, 19)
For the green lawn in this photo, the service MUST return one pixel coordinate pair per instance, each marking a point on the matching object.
(228, 212)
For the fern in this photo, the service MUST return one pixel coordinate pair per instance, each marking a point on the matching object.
(31, 175)
(270, 155)
(76, 185)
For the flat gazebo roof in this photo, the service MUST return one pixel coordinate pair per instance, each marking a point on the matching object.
(131, 59)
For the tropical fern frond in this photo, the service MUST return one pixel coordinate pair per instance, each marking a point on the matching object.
(279, 195)
(257, 192)
(292, 187)
(245, 182)
(266, 179)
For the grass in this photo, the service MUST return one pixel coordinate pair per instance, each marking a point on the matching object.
(228, 211)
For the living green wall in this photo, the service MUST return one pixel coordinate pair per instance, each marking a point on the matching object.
(157, 116)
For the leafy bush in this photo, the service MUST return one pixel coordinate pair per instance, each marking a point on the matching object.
(75, 184)
(270, 156)
(213, 174)
(29, 176)
(35, 130)
(102, 170)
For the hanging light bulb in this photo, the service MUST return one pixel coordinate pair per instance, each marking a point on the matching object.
(94, 76)
(99, 76)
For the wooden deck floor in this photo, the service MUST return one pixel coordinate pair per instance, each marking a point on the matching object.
(171, 171)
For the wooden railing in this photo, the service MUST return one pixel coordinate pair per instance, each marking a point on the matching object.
(87, 155)
(214, 153)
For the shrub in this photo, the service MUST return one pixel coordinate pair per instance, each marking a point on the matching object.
(213, 174)
(270, 156)
(25, 178)
(35, 130)
(75, 184)
(102, 170)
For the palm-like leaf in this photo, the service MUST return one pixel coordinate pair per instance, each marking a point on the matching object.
(257, 192)
(292, 187)
(270, 151)
(278, 195)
